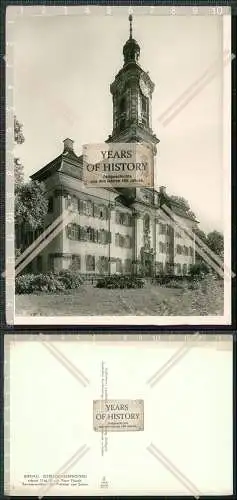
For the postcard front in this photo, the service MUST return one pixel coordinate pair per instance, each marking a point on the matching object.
(122, 173)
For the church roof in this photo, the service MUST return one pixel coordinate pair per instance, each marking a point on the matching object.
(178, 209)
(68, 162)
(68, 155)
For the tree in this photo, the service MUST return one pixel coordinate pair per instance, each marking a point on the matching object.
(31, 204)
(18, 134)
(215, 241)
(184, 204)
(18, 167)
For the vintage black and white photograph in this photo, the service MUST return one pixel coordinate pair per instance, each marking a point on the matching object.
(139, 249)
(180, 386)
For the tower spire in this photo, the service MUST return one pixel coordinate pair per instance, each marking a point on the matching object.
(130, 28)
(131, 49)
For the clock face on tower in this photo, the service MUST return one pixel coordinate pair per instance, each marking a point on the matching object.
(144, 88)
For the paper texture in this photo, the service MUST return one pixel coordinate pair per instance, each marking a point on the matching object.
(186, 445)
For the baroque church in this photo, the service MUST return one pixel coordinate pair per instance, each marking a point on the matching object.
(111, 230)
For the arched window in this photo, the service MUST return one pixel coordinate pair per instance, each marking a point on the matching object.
(122, 105)
(144, 104)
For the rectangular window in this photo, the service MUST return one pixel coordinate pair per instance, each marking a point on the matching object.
(103, 264)
(103, 212)
(74, 204)
(90, 233)
(117, 240)
(191, 251)
(127, 241)
(71, 202)
(96, 211)
(179, 250)
(90, 262)
(178, 268)
(96, 236)
(73, 231)
(169, 268)
(122, 218)
(129, 220)
(185, 269)
(160, 267)
(83, 207)
(90, 208)
(117, 218)
(185, 250)
(128, 266)
(75, 263)
(104, 237)
(122, 241)
(119, 267)
(83, 234)
(161, 247)
(67, 201)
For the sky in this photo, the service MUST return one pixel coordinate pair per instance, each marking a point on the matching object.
(63, 68)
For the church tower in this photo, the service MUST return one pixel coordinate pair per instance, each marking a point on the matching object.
(132, 91)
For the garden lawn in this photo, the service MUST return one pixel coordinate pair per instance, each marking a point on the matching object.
(152, 300)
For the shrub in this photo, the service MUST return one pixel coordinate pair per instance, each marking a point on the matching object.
(119, 281)
(199, 270)
(46, 283)
(69, 279)
(24, 283)
(49, 282)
